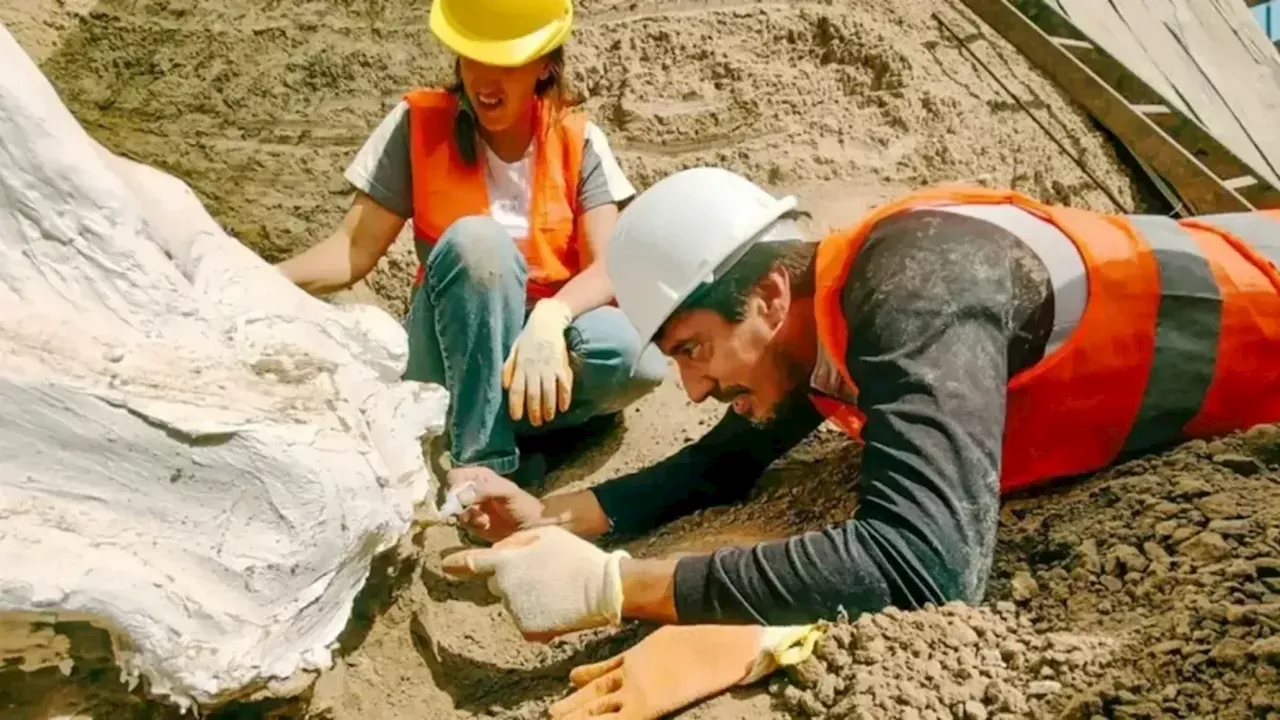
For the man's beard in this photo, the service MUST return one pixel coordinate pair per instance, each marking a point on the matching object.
(795, 377)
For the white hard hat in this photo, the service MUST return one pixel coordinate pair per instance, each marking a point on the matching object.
(686, 230)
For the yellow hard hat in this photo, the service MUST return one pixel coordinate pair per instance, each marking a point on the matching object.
(508, 33)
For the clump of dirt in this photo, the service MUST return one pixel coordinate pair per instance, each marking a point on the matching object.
(1177, 555)
(950, 662)
(1151, 590)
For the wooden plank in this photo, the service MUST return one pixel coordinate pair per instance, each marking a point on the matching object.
(1207, 58)
(1200, 188)
(1115, 74)
(1211, 70)
(1206, 149)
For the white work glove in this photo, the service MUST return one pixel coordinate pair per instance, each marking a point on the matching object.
(550, 580)
(679, 665)
(536, 374)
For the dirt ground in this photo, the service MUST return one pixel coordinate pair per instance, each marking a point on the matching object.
(1150, 591)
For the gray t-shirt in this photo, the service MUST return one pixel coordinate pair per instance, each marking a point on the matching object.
(381, 170)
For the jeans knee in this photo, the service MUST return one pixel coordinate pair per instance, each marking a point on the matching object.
(478, 247)
(650, 368)
(606, 337)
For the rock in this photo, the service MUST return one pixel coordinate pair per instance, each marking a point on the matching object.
(1263, 443)
(1245, 614)
(1042, 688)
(1267, 567)
(961, 636)
(1241, 570)
(1087, 556)
(974, 711)
(1205, 547)
(1168, 647)
(1191, 487)
(1156, 553)
(1002, 697)
(1239, 464)
(1267, 649)
(1166, 528)
(1125, 558)
(1221, 506)
(1231, 528)
(1024, 587)
(1229, 651)
(1137, 711)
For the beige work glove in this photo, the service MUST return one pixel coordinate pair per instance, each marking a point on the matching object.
(677, 666)
(550, 580)
(536, 374)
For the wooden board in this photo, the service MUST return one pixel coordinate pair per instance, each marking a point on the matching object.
(1041, 33)
(1208, 58)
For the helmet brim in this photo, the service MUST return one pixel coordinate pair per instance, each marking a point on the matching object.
(512, 52)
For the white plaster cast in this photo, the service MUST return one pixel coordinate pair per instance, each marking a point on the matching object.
(194, 453)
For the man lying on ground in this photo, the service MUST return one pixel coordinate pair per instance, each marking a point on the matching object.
(975, 341)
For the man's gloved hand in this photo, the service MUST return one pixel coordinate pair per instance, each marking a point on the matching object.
(551, 581)
(679, 665)
(536, 374)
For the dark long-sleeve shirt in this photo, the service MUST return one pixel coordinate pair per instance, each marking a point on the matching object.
(942, 310)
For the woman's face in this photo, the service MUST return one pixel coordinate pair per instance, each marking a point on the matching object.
(502, 96)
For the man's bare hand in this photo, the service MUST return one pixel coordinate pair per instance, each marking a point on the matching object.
(500, 508)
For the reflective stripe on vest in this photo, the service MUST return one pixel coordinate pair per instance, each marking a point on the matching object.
(1188, 322)
(1242, 247)
(446, 189)
(1180, 336)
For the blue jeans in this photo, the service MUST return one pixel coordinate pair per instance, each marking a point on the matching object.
(463, 321)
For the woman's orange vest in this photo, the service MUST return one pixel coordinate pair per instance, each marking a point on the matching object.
(446, 189)
(1180, 336)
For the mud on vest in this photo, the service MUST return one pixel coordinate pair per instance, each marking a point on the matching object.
(1179, 337)
(445, 188)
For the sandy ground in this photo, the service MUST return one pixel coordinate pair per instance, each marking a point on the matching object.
(1150, 591)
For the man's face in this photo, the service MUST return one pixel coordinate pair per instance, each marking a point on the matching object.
(735, 362)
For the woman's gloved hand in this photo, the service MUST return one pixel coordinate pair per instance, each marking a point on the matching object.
(537, 375)
(679, 665)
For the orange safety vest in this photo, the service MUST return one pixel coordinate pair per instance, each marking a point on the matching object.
(446, 189)
(1179, 338)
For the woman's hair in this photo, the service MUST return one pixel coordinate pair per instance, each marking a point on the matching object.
(554, 89)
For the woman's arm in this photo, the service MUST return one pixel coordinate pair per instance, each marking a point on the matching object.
(350, 253)
(602, 190)
(591, 288)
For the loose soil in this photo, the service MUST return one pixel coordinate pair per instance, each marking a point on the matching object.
(1152, 590)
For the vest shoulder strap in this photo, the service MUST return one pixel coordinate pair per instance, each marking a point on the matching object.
(431, 99)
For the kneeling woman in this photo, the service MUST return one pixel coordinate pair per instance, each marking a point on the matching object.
(513, 197)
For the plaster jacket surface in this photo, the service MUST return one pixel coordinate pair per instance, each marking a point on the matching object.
(193, 452)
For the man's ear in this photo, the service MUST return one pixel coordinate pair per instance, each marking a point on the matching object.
(774, 294)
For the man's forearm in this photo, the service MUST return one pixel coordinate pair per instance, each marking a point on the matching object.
(720, 468)
(580, 513)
